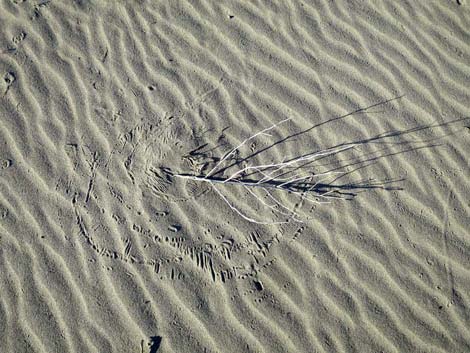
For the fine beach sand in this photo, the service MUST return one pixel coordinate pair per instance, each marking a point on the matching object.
(103, 249)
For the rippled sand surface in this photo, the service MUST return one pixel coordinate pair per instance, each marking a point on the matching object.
(104, 249)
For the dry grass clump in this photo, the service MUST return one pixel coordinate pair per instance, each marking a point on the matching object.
(264, 182)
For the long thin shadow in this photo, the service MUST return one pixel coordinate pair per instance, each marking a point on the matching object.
(372, 156)
(290, 137)
(333, 190)
(377, 139)
(311, 183)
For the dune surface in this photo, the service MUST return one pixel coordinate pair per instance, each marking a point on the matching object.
(103, 248)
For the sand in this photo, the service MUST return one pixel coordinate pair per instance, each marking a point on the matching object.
(104, 249)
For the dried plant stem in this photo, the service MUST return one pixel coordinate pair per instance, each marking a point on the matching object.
(275, 177)
(227, 155)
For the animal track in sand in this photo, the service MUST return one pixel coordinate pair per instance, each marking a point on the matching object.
(135, 212)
